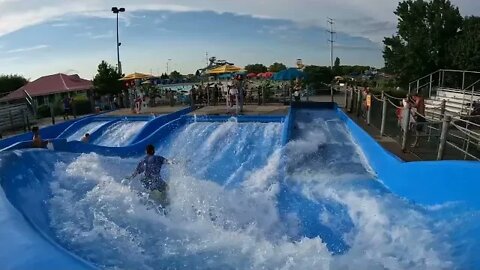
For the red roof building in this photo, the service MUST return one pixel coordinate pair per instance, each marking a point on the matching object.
(50, 85)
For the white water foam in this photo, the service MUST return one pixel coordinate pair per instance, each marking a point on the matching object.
(120, 133)
(88, 128)
(213, 226)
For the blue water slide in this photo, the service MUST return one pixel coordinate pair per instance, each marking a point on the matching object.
(138, 148)
(49, 132)
(24, 236)
(154, 124)
(423, 182)
(100, 131)
(25, 227)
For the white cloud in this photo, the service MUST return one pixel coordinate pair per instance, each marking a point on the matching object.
(27, 49)
(372, 19)
(91, 35)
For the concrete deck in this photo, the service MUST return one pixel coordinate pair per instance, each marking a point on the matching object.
(150, 110)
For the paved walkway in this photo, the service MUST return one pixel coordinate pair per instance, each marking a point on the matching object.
(150, 110)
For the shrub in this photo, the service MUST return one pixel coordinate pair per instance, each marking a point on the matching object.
(43, 111)
(82, 105)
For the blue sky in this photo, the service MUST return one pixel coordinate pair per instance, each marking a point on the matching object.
(59, 36)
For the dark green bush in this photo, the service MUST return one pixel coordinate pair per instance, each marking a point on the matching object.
(82, 106)
(43, 111)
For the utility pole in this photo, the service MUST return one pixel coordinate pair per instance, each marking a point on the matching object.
(116, 11)
(168, 61)
(331, 40)
(206, 58)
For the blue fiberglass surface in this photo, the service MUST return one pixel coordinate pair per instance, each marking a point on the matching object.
(331, 192)
(239, 199)
(120, 134)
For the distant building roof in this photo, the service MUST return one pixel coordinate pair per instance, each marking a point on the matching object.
(51, 84)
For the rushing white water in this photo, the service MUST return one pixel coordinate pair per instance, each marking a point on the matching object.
(240, 201)
(120, 133)
(88, 128)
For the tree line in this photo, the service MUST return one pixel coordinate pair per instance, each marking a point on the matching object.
(431, 35)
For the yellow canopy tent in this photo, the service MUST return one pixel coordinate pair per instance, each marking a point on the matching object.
(224, 69)
(135, 76)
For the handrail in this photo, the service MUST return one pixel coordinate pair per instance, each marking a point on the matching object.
(392, 97)
(472, 85)
(461, 150)
(426, 76)
(393, 104)
(457, 70)
(466, 131)
(466, 121)
(379, 99)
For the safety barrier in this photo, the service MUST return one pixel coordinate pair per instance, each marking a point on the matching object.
(447, 136)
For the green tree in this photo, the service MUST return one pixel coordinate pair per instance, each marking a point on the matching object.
(256, 68)
(420, 45)
(317, 76)
(9, 83)
(175, 75)
(465, 49)
(337, 69)
(107, 80)
(276, 67)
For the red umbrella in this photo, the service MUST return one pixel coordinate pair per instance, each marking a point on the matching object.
(251, 75)
(267, 74)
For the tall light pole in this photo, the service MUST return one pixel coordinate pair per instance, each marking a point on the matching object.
(331, 40)
(168, 62)
(117, 10)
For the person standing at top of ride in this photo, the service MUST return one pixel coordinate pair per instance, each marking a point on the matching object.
(233, 95)
(214, 97)
(67, 107)
(418, 112)
(151, 167)
(297, 88)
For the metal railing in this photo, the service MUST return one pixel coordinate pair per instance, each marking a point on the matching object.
(447, 137)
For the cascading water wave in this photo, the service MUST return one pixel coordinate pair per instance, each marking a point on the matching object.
(238, 201)
(120, 133)
(88, 128)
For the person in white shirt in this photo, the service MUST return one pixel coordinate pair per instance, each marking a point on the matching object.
(233, 94)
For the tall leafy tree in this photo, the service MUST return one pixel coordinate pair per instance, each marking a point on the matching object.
(256, 68)
(107, 80)
(336, 67)
(175, 75)
(465, 49)
(9, 83)
(317, 76)
(420, 45)
(276, 67)
(337, 62)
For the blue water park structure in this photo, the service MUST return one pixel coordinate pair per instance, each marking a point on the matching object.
(306, 190)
